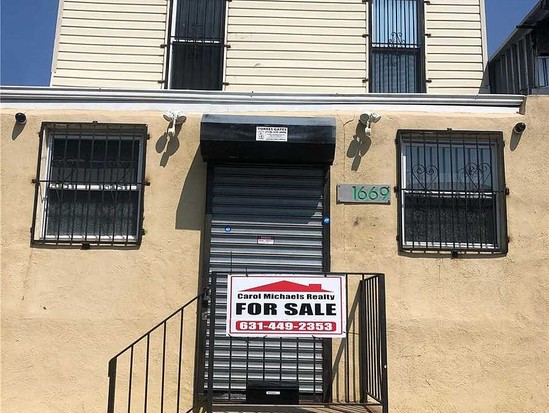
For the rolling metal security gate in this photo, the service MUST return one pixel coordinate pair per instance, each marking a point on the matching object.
(264, 219)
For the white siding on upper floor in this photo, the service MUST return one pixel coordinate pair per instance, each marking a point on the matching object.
(297, 45)
(454, 47)
(111, 43)
(274, 45)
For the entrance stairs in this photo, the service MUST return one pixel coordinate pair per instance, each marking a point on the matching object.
(314, 408)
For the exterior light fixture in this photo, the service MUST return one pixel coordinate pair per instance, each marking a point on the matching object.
(519, 127)
(174, 119)
(367, 119)
(20, 118)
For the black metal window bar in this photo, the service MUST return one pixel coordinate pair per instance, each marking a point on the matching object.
(451, 191)
(357, 375)
(396, 46)
(196, 44)
(89, 184)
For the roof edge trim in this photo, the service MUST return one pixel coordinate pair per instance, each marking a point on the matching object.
(48, 95)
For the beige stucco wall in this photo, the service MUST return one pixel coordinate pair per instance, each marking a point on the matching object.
(468, 334)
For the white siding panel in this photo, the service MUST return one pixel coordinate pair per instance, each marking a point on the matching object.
(115, 7)
(111, 43)
(302, 63)
(118, 18)
(122, 33)
(319, 72)
(290, 88)
(82, 73)
(127, 2)
(103, 83)
(453, 90)
(454, 46)
(338, 6)
(115, 49)
(292, 55)
(108, 24)
(295, 24)
(455, 2)
(113, 67)
(75, 58)
(302, 46)
(454, 58)
(242, 29)
(128, 41)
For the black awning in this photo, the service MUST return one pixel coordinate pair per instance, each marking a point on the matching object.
(267, 139)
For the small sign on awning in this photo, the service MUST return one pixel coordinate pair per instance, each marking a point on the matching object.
(271, 134)
(265, 240)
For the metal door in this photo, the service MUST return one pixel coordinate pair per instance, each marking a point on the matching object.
(265, 219)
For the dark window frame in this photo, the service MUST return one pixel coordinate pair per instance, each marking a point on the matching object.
(435, 197)
(396, 46)
(196, 42)
(79, 197)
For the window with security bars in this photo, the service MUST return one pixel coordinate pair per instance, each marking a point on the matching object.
(451, 191)
(89, 184)
(396, 47)
(197, 43)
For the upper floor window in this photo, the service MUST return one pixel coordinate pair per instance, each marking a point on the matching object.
(396, 48)
(451, 191)
(89, 184)
(197, 43)
(542, 66)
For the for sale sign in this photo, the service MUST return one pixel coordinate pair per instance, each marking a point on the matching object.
(286, 305)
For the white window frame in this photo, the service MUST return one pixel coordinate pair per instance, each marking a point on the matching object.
(40, 232)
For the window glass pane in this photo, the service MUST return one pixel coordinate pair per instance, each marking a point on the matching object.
(395, 23)
(448, 220)
(197, 66)
(200, 19)
(94, 161)
(394, 72)
(543, 71)
(460, 167)
(91, 213)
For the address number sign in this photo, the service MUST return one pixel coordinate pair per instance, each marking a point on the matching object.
(364, 194)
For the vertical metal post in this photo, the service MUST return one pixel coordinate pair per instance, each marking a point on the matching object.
(383, 342)
(211, 344)
(112, 385)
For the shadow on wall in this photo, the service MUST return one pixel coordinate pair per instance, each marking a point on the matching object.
(17, 129)
(515, 140)
(359, 146)
(168, 145)
(190, 209)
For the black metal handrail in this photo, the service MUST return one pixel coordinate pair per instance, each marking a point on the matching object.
(141, 369)
(373, 340)
(147, 374)
(355, 367)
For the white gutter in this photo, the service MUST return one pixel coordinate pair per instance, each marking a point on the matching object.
(221, 102)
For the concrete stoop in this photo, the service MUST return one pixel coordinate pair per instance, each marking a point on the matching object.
(302, 408)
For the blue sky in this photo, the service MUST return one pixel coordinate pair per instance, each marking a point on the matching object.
(27, 31)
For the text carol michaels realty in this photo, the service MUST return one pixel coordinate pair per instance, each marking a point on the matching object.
(286, 305)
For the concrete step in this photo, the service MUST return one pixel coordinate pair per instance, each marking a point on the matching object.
(302, 408)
